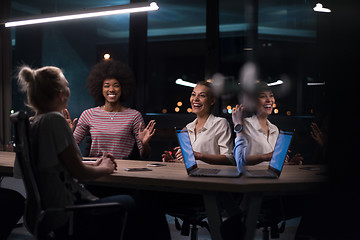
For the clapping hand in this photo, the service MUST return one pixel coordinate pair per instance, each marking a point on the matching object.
(167, 156)
(67, 117)
(317, 135)
(237, 114)
(146, 134)
(297, 159)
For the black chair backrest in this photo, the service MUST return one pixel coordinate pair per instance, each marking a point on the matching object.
(33, 208)
(87, 145)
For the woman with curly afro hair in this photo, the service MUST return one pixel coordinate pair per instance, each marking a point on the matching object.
(114, 128)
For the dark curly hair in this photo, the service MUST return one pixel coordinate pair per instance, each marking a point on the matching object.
(110, 69)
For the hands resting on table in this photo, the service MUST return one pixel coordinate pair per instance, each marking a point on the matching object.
(107, 160)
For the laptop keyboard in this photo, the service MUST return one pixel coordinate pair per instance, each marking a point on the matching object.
(259, 173)
(206, 171)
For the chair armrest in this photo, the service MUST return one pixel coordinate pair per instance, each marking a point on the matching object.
(84, 206)
(93, 205)
(74, 208)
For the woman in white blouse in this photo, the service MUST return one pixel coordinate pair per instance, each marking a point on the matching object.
(210, 136)
(260, 133)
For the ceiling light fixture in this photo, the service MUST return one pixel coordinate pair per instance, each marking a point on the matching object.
(181, 82)
(319, 8)
(278, 82)
(316, 83)
(86, 13)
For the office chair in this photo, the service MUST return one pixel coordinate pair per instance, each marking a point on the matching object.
(87, 144)
(35, 214)
(190, 210)
(271, 219)
(234, 227)
(273, 212)
(190, 222)
(270, 222)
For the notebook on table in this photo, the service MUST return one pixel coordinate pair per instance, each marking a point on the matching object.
(190, 162)
(277, 160)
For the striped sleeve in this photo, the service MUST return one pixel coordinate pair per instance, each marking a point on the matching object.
(136, 126)
(82, 127)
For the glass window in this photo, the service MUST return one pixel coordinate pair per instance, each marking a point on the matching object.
(289, 19)
(176, 49)
(285, 49)
(74, 46)
(177, 20)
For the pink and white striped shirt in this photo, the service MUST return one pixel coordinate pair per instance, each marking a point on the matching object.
(112, 132)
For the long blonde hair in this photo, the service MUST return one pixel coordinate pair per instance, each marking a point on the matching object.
(40, 85)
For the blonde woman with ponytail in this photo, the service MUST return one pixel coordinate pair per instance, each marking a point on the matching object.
(60, 164)
(46, 88)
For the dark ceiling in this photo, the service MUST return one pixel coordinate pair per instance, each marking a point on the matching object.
(282, 17)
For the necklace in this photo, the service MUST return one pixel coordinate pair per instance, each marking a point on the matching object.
(115, 112)
(111, 117)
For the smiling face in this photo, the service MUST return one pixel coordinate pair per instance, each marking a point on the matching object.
(111, 90)
(265, 102)
(201, 100)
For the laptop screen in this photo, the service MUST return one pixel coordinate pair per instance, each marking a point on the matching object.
(280, 151)
(186, 149)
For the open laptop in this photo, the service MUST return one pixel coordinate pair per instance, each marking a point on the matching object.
(277, 160)
(190, 162)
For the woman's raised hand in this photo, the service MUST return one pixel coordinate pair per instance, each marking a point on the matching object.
(237, 114)
(67, 117)
(146, 134)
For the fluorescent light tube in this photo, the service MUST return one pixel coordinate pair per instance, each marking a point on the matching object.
(86, 13)
(179, 81)
(278, 82)
(319, 8)
(315, 83)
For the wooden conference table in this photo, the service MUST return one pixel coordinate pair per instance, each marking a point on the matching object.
(173, 178)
